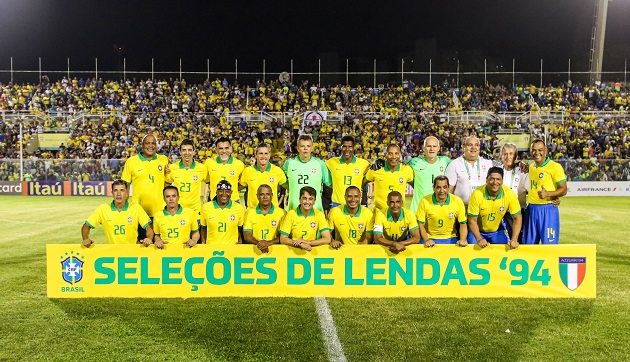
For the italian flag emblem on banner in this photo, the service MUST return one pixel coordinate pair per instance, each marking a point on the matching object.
(572, 271)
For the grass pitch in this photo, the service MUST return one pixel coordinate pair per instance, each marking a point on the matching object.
(33, 327)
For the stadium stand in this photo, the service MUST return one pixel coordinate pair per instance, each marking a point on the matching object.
(587, 127)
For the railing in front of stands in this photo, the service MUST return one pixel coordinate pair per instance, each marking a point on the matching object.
(110, 169)
(66, 119)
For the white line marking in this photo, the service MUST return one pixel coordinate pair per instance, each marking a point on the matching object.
(596, 217)
(334, 349)
(36, 222)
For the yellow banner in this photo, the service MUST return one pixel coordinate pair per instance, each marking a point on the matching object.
(549, 271)
(521, 140)
(52, 141)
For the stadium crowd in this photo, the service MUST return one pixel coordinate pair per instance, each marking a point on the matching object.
(589, 148)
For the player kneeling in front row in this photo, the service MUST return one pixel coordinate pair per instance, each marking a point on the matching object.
(488, 204)
(351, 223)
(305, 226)
(440, 215)
(262, 221)
(175, 225)
(397, 226)
(120, 219)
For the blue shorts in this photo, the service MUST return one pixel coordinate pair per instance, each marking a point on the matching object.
(443, 241)
(497, 237)
(543, 224)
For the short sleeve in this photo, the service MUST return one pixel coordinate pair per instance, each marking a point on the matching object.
(95, 219)
(285, 225)
(321, 221)
(421, 214)
(473, 204)
(461, 211)
(451, 173)
(411, 220)
(143, 219)
(379, 222)
(370, 175)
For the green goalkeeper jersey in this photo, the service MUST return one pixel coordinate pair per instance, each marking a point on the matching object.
(313, 173)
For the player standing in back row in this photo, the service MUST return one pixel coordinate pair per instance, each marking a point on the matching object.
(145, 172)
(305, 170)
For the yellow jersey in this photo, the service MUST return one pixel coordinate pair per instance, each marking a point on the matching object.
(350, 228)
(120, 227)
(441, 221)
(395, 230)
(190, 182)
(230, 171)
(175, 229)
(222, 223)
(386, 181)
(307, 227)
(147, 179)
(490, 212)
(263, 226)
(549, 174)
(346, 174)
(252, 177)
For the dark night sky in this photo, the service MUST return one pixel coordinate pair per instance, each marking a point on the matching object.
(278, 31)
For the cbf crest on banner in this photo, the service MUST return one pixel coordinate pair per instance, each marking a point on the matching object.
(72, 268)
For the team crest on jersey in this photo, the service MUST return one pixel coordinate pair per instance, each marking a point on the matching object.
(72, 269)
(356, 171)
(313, 170)
(360, 226)
(313, 225)
(441, 168)
(129, 219)
(483, 168)
(195, 178)
(451, 215)
(274, 223)
(516, 180)
(159, 167)
(232, 172)
(540, 175)
(182, 222)
(401, 180)
(502, 209)
(271, 180)
(232, 217)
